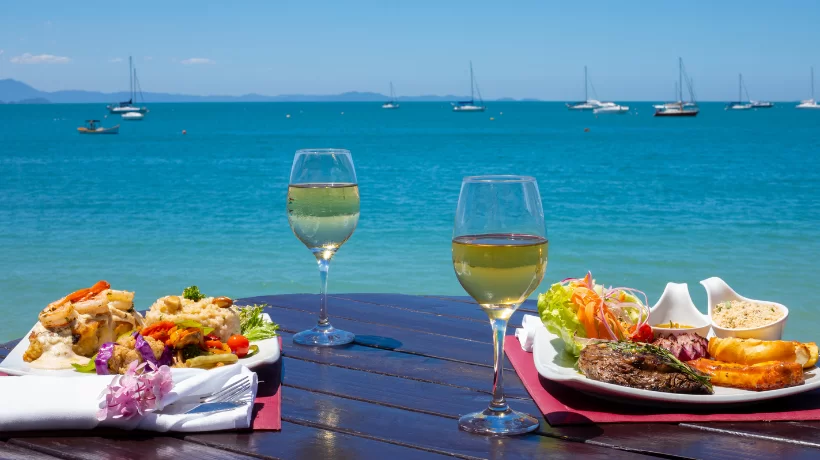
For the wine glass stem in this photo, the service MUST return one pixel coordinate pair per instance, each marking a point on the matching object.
(324, 266)
(499, 332)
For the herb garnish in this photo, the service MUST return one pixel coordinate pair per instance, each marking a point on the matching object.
(192, 293)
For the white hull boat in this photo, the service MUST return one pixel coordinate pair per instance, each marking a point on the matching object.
(613, 108)
(133, 116)
(392, 103)
(809, 103)
(470, 106)
(128, 106)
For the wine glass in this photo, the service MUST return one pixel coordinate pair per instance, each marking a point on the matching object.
(323, 210)
(500, 256)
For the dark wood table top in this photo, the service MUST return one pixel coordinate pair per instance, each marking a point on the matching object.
(418, 363)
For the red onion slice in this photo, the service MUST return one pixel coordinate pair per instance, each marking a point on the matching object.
(101, 361)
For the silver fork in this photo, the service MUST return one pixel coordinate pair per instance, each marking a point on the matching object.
(225, 394)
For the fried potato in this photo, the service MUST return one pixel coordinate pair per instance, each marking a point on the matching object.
(764, 376)
(754, 351)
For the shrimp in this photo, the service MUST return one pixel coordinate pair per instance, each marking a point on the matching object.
(119, 296)
(91, 307)
(57, 314)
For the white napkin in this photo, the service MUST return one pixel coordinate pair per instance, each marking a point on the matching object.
(526, 333)
(37, 402)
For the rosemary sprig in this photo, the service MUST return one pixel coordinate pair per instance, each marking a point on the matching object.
(664, 354)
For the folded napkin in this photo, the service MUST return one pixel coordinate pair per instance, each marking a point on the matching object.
(36, 403)
(526, 333)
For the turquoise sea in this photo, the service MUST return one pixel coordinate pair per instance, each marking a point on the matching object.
(637, 200)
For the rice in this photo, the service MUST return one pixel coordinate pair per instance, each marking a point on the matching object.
(225, 321)
(741, 314)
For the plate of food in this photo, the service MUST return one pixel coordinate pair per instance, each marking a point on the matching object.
(595, 340)
(97, 330)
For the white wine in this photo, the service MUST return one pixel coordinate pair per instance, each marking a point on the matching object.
(323, 216)
(500, 270)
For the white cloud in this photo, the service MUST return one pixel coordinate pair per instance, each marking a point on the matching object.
(28, 58)
(149, 58)
(115, 60)
(1, 52)
(193, 61)
(48, 23)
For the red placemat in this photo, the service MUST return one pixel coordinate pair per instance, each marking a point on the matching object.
(267, 408)
(562, 405)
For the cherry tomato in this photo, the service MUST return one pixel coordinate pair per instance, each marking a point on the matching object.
(239, 345)
(643, 334)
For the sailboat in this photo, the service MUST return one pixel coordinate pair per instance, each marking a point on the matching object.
(391, 104)
(739, 105)
(470, 106)
(587, 104)
(810, 103)
(128, 106)
(680, 108)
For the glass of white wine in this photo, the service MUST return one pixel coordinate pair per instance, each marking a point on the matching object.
(500, 256)
(323, 210)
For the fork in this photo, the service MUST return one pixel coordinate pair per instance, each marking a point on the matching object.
(228, 393)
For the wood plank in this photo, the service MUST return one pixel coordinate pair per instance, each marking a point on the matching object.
(423, 431)
(473, 327)
(478, 378)
(440, 400)
(12, 452)
(137, 446)
(301, 441)
(394, 338)
(803, 433)
(681, 441)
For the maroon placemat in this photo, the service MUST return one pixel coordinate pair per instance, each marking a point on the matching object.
(562, 405)
(267, 408)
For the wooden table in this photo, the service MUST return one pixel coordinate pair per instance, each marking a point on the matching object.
(417, 364)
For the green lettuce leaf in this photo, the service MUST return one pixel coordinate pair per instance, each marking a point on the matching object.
(88, 367)
(559, 315)
(191, 323)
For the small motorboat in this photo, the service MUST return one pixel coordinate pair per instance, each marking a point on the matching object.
(132, 116)
(92, 128)
(610, 107)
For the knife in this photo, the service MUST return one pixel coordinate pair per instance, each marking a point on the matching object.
(214, 407)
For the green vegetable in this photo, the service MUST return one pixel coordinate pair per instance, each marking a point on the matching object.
(88, 368)
(252, 350)
(663, 354)
(191, 323)
(559, 315)
(253, 325)
(192, 293)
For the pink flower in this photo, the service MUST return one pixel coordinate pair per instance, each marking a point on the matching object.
(139, 391)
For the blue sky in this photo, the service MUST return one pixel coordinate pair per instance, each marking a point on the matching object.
(519, 49)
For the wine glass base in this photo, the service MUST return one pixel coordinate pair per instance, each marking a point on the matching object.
(323, 336)
(498, 422)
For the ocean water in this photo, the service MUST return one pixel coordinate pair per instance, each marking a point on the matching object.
(637, 200)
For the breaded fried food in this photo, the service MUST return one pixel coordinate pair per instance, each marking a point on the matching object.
(754, 351)
(765, 376)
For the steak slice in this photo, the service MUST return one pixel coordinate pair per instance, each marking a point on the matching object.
(639, 366)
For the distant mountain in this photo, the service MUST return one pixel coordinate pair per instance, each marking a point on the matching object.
(13, 91)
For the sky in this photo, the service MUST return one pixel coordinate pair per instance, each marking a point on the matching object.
(519, 49)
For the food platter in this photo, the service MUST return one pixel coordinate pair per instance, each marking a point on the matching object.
(14, 364)
(554, 364)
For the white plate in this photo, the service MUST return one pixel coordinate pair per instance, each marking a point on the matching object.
(14, 364)
(554, 364)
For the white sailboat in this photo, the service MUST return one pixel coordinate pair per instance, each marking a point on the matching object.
(470, 106)
(587, 103)
(128, 106)
(392, 103)
(680, 108)
(810, 103)
(740, 105)
(610, 107)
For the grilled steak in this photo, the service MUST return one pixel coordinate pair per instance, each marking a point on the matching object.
(640, 366)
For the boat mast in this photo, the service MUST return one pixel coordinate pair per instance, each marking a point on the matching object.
(471, 83)
(739, 86)
(680, 79)
(586, 85)
(812, 83)
(130, 79)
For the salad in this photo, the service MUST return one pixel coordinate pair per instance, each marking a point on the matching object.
(579, 310)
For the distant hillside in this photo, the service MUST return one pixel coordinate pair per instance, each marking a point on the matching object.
(13, 91)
